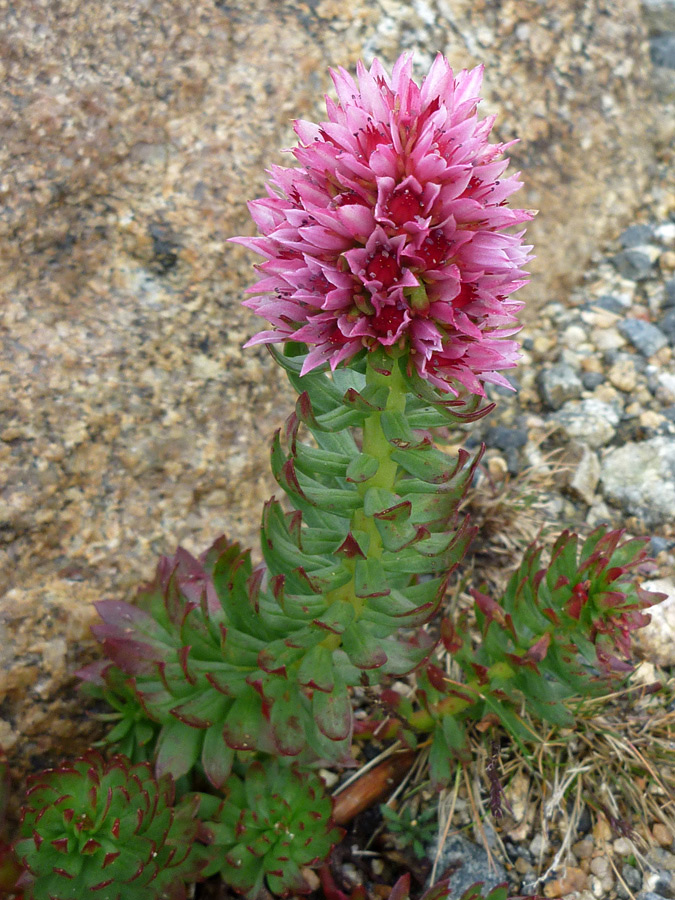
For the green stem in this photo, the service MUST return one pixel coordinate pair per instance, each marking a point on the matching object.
(375, 444)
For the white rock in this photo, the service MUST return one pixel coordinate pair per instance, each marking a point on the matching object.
(640, 478)
(591, 421)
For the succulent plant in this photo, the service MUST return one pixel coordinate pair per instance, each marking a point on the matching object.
(228, 658)
(132, 734)
(106, 830)
(273, 822)
(560, 630)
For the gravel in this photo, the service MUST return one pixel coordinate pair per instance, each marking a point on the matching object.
(596, 390)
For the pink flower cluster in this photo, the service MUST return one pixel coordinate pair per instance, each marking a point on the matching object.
(391, 232)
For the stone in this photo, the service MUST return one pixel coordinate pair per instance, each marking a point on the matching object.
(632, 877)
(669, 299)
(611, 303)
(659, 15)
(572, 879)
(591, 421)
(662, 50)
(580, 471)
(506, 438)
(538, 846)
(635, 235)
(656, 641)
(470, 864)
(665, 388)
(644, 336)
(583, 849)
(665, 234)
(640, 478)
(592, 380)
(609, 339)
(662, 834)
(667, 324)
(623, 375)
(633, 264)
(600, 866)
(558, 384)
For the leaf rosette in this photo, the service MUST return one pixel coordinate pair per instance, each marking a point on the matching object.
(273, 822)
(106, 830)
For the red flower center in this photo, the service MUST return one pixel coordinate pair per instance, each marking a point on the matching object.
(387, 320)
(435, 249)
(403, 207)
(383, 268)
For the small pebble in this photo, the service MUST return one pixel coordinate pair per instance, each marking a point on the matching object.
(538, 846)
(574, 336)
(623, 375)
(558, 384)
(312, 879)
(634, 264)
(635, 235)
(609, 339)
(645, 337)
(667, 261)
(571, 879)
(600, 866)
(623, 846)
(662, 835)
(632, 877)
(583, 849)
(601, 830)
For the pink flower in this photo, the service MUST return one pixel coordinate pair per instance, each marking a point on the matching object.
(392, 231)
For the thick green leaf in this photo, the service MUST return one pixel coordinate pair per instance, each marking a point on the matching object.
(370, 579)
(361, 468)
(364, 651)
(333, 712)
(316, 669)
(178, 748)
(242, 725)
(217, 757)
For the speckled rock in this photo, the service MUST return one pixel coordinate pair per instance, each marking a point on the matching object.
(591, 420)
(133, 134)
(558, 384)
(580, 471)
(640, 478)
(471, 863)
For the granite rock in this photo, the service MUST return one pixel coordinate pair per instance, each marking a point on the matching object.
(590, 420)
(640, 478)
(133, 134)
(558, 384)
(469, 863)
(580, 471)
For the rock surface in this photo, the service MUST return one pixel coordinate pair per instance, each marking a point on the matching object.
(133, 134)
